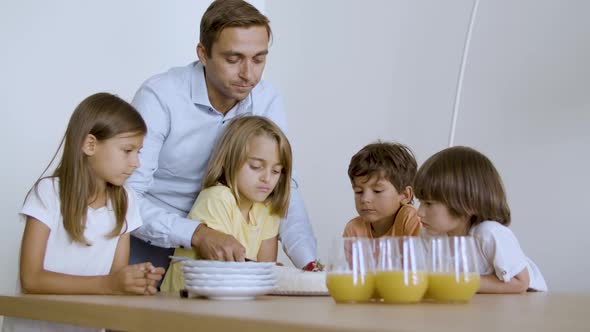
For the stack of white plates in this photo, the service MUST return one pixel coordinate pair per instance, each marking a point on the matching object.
(228, 280)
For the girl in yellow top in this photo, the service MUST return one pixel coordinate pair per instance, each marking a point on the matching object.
(245, 191)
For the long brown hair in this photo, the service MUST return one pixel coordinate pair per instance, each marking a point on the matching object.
(223, 14)
(103, 115)
(466, 182)
(231, 153)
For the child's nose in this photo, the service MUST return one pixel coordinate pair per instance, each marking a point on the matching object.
(265, 176)
(135, 162)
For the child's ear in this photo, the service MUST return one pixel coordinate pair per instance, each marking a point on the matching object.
(89, 145)
(408, 194)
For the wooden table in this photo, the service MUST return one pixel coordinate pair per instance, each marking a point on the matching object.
(529, 312)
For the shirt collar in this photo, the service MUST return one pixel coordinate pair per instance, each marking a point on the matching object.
(199, 86)
(199, 94)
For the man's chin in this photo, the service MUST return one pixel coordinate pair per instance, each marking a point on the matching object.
(240, 95)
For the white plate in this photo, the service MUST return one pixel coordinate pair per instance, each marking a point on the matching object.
(229, 293)
(220, 270)
(298, 293)
(236, 277)
(227, 265)
(229, 283)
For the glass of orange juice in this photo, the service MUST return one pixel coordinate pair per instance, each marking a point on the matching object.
(453, 273)
(351, 270)
(401, 275)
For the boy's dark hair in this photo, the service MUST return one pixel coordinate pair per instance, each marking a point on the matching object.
(392, 161)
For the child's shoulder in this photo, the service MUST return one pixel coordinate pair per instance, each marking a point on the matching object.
(47, 185)
(355, 221)
(356, 228)
(407, 211)
(490, 229)
(219, 192)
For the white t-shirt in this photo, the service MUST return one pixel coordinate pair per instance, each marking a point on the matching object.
(65, 256)
(499, 253)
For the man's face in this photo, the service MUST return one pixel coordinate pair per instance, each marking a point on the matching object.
(235, 66)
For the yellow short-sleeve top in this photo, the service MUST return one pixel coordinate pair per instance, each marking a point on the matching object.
(217, 208)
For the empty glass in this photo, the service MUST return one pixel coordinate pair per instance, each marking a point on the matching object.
(401, 269)
(351, 270)
(453, 273)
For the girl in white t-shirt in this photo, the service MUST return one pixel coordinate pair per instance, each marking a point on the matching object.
(76, 238)
(461, 193)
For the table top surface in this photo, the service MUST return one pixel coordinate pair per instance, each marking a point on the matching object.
(525, 312)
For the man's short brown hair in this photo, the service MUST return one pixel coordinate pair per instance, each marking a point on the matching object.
(223, 14)
(392, 161)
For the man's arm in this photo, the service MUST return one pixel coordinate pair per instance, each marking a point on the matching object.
(161, 227)
(296, 233)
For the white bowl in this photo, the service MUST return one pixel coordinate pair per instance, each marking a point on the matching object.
(230, 293)
(228, 265)
(227, 271)
(229, 283)
(235, 277)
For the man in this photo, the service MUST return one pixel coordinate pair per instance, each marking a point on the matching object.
(186, 109)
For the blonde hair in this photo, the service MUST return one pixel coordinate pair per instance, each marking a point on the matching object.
(103, 115)
(231, 153)
(466, 182)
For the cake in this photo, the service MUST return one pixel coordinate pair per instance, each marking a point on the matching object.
(293, 281)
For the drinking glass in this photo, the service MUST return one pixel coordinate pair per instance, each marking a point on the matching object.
(453, 273)
(351, 270)
(401, 269)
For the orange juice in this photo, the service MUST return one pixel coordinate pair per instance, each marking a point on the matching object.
(401, 287)
(348, 287)
(451, 287)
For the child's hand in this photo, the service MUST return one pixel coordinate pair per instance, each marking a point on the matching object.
(137, 279)
(154, 275)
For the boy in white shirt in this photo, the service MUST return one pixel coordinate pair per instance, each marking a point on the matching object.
(461, 193)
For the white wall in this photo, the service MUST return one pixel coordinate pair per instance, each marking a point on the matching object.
(53, 55)
(356, 71)
(526, 105)
(351, 72)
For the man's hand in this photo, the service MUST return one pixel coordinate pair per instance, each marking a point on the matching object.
(214, 245)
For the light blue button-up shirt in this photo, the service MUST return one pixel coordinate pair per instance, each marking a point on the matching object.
(183, 129)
